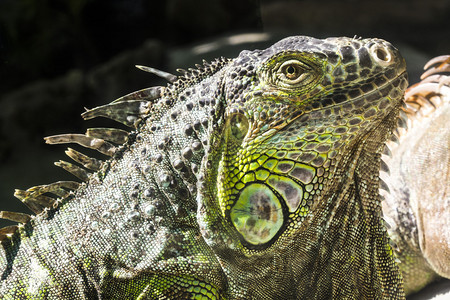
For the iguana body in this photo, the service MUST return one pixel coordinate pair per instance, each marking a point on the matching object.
(417, 175)
(252, 178)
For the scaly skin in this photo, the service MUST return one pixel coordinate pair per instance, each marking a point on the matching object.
(252, 178)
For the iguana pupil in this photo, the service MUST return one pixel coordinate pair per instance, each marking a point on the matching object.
(292, 72)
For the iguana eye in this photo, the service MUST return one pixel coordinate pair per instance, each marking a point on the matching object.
(292, 72)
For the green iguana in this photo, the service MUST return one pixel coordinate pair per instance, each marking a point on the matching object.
(250, 178)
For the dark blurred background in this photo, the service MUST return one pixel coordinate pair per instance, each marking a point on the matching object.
(59, 56)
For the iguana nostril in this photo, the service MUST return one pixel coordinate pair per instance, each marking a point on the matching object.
(381, 54)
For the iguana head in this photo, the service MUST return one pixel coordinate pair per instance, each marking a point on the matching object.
(295, 117)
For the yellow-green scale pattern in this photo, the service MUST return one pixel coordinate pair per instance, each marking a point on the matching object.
(163, 286)
(293, 168)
